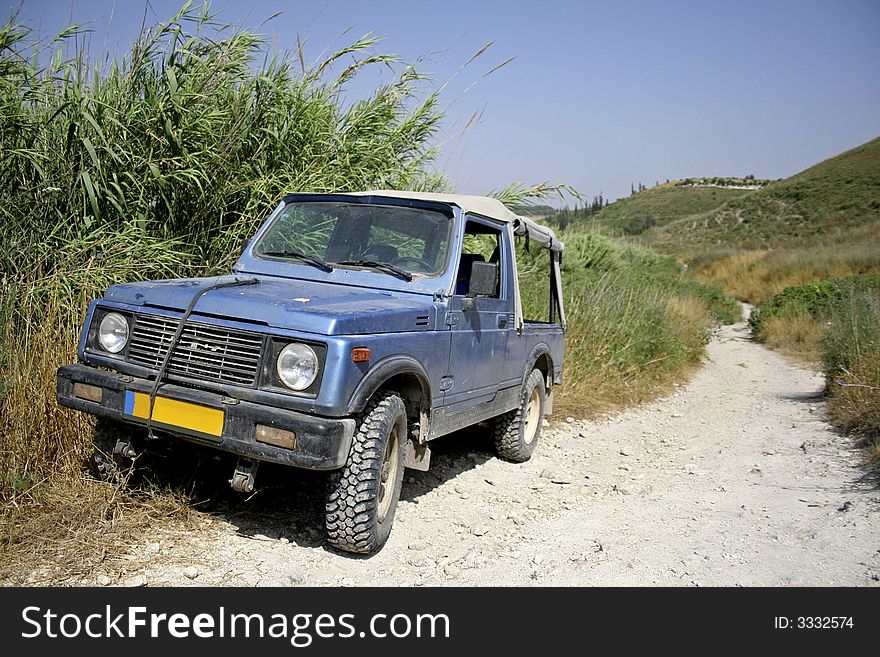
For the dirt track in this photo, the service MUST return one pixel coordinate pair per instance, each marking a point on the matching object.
(733, 480)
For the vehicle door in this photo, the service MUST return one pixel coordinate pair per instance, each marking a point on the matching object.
(478, 362)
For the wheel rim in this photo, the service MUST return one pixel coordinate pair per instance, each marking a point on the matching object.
(388, 474)
(533, 417)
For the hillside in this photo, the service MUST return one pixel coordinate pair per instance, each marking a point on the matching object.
(837, 200)
(656, 206)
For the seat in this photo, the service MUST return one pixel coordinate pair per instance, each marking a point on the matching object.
(465, 264)
(380, 253)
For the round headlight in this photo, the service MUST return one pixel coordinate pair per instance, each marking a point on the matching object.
(297, 366)
(113, 332)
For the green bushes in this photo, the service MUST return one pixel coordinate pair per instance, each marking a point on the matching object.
(635, 321)
(594, 253)
(816, 300)
(638, 224)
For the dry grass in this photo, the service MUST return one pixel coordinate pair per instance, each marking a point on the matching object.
(598, 396)
(851, 356)
(754, 276)
(634, 342)
(34, 429)
(798, 337)
(603, 388)
(689, 313)
(855, 406)
(72, 528)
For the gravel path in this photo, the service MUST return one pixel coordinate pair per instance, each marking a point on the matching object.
(735, 479)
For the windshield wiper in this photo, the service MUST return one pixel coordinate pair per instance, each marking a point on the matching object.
(315, 262)
(381, 266)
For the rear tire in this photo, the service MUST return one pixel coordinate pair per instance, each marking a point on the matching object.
(362, 497)
(517, 431)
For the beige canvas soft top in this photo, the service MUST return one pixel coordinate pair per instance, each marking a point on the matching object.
(494, 209)
(485, 206)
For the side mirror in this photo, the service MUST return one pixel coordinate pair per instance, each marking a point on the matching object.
(484, 279)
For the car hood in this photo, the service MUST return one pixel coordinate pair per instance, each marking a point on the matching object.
(300, 305)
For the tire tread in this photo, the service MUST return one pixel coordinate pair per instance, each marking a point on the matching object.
(508, 427)
(350, 520)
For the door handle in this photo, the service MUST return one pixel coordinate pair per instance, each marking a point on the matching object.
(502, 321)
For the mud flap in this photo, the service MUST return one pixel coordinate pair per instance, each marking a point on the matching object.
(418, 456)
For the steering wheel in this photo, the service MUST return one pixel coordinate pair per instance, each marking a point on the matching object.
(423, 265)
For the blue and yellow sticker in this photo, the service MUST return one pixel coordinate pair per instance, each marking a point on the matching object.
(175, 413)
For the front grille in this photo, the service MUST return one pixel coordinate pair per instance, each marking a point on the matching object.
(204, 352)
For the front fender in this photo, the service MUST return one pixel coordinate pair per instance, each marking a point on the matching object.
(381, 372)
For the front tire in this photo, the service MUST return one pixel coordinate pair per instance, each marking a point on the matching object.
(517, 431)
(362, 497)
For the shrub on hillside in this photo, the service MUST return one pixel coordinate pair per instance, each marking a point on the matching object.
(816, 300)
(638, 224)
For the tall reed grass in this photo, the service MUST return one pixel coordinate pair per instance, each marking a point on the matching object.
(156, 165)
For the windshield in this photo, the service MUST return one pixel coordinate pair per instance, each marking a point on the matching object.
(359, 235)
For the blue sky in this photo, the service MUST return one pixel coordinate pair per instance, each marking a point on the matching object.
(600, 94)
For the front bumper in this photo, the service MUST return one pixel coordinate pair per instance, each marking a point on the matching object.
(321, 443)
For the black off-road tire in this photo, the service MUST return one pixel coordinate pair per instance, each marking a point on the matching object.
(362, 496)
(517, 431)
(106, 465)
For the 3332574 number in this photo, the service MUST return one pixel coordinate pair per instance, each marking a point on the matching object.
(813, 622)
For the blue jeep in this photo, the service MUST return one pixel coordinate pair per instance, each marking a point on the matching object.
(352, 331)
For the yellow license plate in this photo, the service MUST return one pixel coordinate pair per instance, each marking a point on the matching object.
(175, 413)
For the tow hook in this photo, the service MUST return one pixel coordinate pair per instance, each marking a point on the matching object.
(244, 475)
(124, 448)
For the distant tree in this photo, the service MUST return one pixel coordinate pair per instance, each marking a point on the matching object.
(563, 219)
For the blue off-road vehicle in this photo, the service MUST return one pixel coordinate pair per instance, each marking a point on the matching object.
(352, 331)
